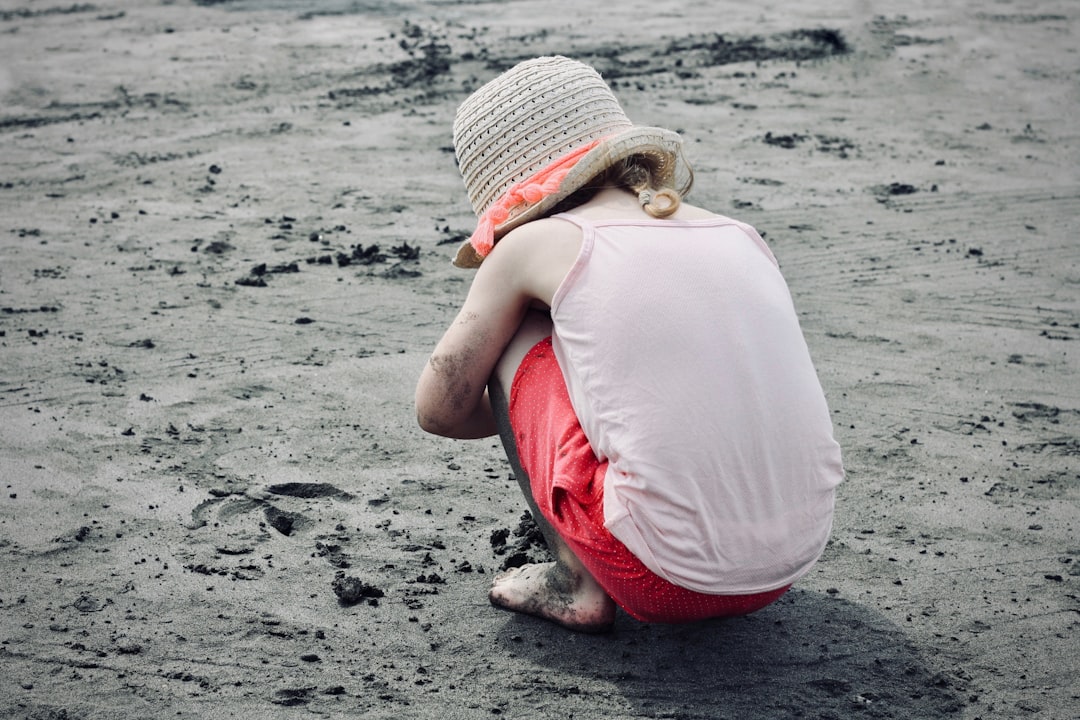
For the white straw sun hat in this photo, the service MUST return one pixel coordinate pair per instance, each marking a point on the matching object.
(528, 139)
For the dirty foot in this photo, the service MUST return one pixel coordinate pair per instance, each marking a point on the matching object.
(553, 592)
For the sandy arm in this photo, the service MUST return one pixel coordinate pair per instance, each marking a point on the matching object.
(451, 395)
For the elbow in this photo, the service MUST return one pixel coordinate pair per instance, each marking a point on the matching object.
(452, 415)
(431, 421)
(436, 412)
(439, 426)
(429, 424)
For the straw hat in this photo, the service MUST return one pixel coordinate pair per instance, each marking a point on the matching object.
(535, 134)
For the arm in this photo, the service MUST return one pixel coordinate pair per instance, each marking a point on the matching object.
(451, 396)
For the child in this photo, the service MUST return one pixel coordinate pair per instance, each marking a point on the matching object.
(640, 358)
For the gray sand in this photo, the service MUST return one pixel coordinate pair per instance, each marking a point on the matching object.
(207, 367)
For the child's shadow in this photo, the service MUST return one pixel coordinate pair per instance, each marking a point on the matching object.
(807, 655)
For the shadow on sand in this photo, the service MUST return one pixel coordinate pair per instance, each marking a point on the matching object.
(808, 655)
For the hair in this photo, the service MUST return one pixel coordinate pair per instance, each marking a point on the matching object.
(641, 175)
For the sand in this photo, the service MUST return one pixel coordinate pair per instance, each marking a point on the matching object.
(226, 232)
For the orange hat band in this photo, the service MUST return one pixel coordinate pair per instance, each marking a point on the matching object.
(529, 191)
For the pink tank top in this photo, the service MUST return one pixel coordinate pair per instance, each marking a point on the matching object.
(688, 370)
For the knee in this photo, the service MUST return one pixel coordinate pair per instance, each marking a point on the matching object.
(535, 326)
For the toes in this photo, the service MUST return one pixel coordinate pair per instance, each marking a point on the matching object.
(504, 597)
(507, 578)
(517, 586)
(508, 573)
(523, 573)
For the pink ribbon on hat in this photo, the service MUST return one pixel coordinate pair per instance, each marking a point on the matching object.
(531, 190)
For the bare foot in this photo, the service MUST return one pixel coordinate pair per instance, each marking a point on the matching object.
(553, 592)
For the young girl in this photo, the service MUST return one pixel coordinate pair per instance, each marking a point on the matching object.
(640, 358)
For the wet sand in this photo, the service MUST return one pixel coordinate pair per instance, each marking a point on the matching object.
(225, 255)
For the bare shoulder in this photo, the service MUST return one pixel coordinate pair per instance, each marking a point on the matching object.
(538, 254)
(548, 231)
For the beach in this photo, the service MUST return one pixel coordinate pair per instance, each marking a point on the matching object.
(225, 257)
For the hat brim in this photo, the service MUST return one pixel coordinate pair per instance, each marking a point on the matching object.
(663, 145)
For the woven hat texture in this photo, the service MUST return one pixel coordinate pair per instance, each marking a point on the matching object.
(540, 110)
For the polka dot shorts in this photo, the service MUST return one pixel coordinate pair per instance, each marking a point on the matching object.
(568, 484)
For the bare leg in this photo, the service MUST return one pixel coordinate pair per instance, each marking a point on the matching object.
(562, 591)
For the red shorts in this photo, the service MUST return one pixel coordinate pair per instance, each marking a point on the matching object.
(568, 484)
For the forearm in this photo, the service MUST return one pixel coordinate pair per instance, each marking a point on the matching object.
(451, 395)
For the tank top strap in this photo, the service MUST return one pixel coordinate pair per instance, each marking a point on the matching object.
(581, 222)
